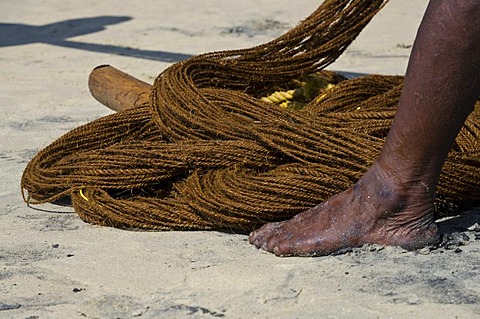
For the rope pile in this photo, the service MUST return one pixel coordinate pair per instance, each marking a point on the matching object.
(206, 152)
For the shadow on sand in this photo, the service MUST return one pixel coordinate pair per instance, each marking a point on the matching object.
(58, 34)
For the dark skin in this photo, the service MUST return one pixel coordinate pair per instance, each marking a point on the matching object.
(392, 203)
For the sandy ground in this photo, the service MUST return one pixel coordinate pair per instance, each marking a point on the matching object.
(52, 265)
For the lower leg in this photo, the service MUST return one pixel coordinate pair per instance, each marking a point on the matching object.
(392, 203)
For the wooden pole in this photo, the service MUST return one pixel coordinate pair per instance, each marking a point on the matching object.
(116, 89)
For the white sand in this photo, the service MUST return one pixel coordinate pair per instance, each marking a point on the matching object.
(52, 265)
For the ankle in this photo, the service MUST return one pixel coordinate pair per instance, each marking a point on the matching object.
(399, 212)
(399, 190)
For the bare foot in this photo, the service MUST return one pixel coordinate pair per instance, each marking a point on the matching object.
(392, 203)
(372, 211)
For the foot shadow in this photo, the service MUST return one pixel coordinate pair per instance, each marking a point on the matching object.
(459, 223)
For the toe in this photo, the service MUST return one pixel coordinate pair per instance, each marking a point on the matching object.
(284, 248)
(259, 237)
(270, 244)
(305, 247)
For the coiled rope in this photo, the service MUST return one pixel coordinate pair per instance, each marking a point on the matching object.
(206, 152)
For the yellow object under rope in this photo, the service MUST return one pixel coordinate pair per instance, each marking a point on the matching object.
(311, 87)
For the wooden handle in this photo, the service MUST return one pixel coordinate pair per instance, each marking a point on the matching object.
(116, 89)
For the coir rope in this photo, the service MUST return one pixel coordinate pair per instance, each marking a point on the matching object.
(207, 153)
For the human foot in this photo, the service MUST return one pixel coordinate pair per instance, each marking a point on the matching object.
(393, 205)
(369, 212)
